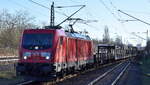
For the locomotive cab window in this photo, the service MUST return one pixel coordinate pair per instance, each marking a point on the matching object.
(37, 41)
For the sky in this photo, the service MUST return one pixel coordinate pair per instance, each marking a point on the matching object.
(104, 11)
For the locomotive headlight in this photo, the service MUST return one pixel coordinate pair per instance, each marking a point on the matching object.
(26, 55)
(46, 55)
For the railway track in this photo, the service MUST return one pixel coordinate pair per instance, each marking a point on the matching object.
(72, 76)
(55, 82)
(8, 63)
(112, 76)
(7, 59)
(26, 83)
(84, 72)
(86, 77)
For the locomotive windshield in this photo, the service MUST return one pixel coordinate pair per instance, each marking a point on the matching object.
(37, 41)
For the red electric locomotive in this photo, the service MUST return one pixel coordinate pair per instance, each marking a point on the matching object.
(53, 52)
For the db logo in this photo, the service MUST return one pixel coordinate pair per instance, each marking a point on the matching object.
(35, 54)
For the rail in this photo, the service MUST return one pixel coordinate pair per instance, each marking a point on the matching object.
(106, 73)
(25, 82)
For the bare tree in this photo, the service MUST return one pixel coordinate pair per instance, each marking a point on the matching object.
(147, 48)
(95, 43)
(11, 27)
(19, 20)
(118, 40)
(106, 37)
